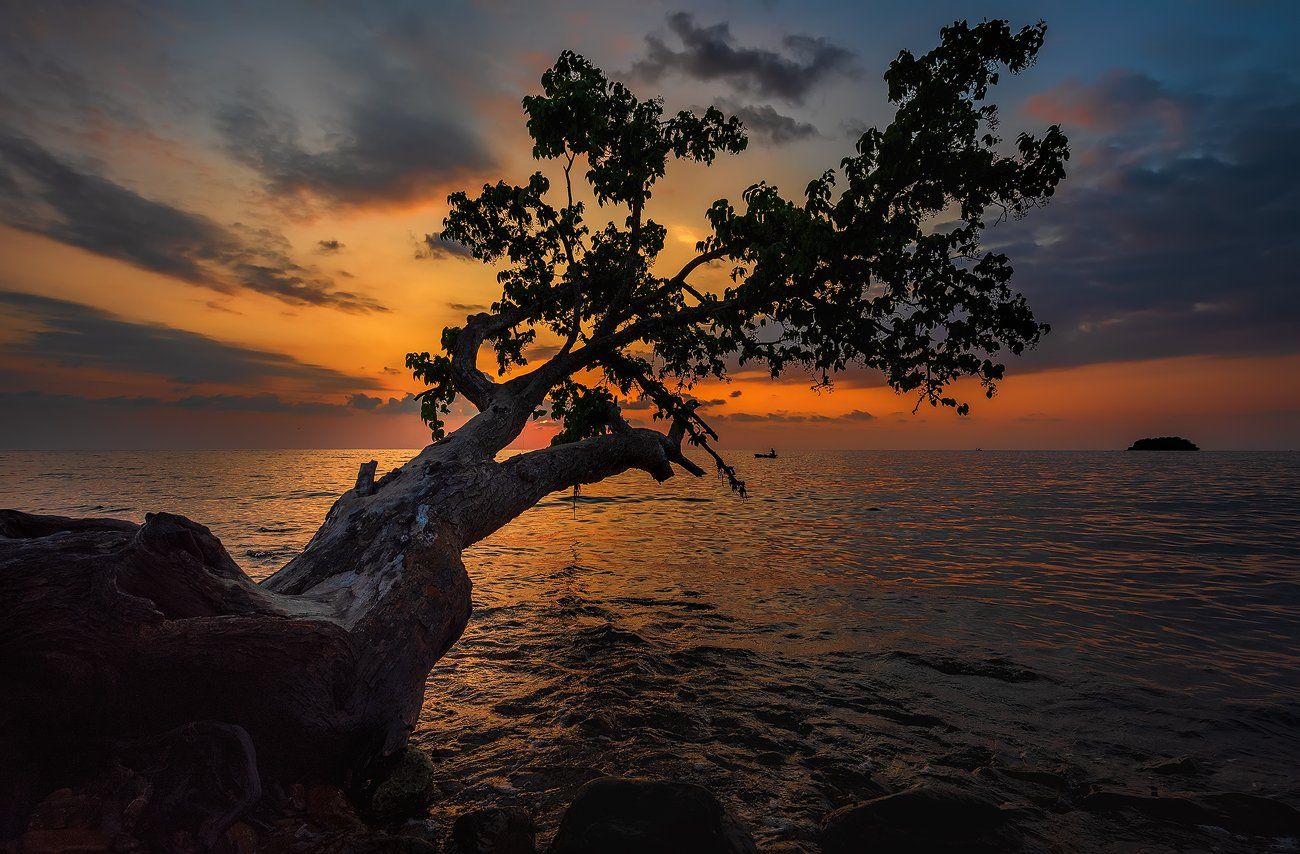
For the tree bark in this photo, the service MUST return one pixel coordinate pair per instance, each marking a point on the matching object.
(112, 631)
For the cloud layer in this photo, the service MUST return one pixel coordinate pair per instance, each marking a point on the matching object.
(1175, 233)
(251, 150)
(710, 53)
(43, 194)
(379, 151)
(765, 124)
(73, 335)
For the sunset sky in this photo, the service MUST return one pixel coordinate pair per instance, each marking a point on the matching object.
(212, 215)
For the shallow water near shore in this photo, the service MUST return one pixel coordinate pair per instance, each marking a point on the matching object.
(864, 620)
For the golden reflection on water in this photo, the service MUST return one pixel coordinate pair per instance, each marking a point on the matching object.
(860, 616)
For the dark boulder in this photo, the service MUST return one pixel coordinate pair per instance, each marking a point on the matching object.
(329, 808)
(1254, 815)
(965, 758)
(925, 819)
(1180, 766)
(1239, 813)
(496, 830)
(649, 817)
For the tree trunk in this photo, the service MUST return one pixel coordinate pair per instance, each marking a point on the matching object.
(111, 631)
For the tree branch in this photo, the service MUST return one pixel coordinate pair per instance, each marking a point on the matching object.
(522, 481)
(477, 387)
(686, 422)
(539, 381)
(677, 281)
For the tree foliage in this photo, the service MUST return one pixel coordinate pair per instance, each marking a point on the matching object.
(879, 263)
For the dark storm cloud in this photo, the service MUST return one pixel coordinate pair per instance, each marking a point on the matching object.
(266, 403)
(44, 89)
(1175, 233)
(251, 403)
(74, 335)
(765, 124)
(709, 53)
(379, 151)
(1122, 100)
(364, 402)
(405, 405)
(645, 404)
(856, 415)
(43, 194)
(328, 247)
(853, 128)
(47, 196)
(355, 106)
(434, 246)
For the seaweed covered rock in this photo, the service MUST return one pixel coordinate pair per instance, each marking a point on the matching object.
(649, 817)
(407, 790)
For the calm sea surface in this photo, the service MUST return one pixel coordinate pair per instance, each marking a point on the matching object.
(860, 620)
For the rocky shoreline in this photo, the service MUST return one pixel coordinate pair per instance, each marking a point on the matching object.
(189, 791)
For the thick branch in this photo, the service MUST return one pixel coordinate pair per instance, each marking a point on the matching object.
(697, 261)
(524, 480)
(477, 387)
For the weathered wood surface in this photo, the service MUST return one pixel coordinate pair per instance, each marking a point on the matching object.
(366, 478)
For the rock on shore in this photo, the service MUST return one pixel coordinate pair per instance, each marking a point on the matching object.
(194, 793)
(649, 817)
(930, 817)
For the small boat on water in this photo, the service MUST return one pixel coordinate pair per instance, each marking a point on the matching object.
(770, 455)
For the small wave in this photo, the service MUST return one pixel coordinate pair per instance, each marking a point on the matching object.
(606, 635)
(569, 500)
(103, 508)
(990, 668)
(665, 603)
(279, 551)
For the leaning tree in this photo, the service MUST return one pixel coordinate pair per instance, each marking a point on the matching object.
(111, 630)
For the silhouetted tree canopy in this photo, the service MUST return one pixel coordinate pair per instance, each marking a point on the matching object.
(878, 263)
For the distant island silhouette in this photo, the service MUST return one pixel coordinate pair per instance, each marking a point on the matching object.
(1163, 443)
